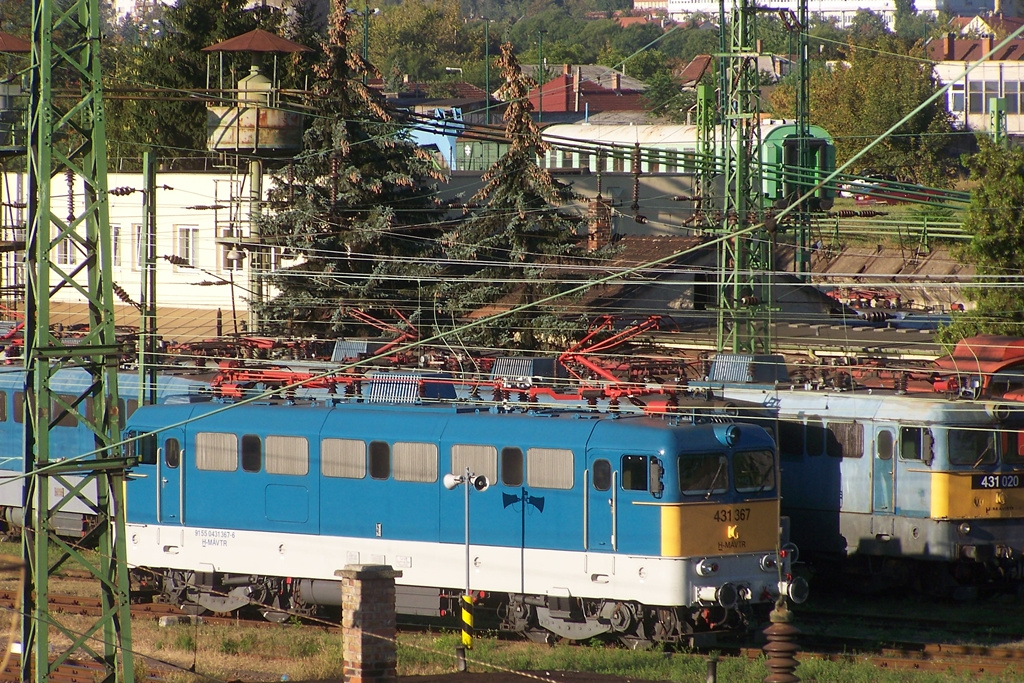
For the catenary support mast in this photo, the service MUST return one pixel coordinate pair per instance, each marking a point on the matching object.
(745, 258)
(69, 136)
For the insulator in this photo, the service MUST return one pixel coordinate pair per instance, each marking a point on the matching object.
(121, 191)
(640, 219)
(177, 260)
(121, 294)
(69, 175)
(683, 198)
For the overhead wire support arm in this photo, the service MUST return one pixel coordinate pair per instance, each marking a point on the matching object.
(69, 136)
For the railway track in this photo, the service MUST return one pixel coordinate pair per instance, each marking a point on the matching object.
(814, 642)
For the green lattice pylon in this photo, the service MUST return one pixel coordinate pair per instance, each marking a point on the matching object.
(68, 136)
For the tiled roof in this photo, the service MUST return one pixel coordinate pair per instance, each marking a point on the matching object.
(257, 40)
(958, 49)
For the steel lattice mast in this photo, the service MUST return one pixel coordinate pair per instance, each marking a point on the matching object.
(70, 136)
(745, 258)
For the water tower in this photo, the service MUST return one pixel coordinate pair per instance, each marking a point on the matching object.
(255, 123)
(256, 126)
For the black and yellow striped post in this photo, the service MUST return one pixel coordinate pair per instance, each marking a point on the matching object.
(467, 621)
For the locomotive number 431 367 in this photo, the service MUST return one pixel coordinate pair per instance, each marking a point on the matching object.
(732, 515)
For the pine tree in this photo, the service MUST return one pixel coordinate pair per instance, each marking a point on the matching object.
(517, 247)
(356, 208)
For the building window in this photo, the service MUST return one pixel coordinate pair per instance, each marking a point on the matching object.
(187, 244)
(115, 240)
(978, 95)
(956, 94)
(1011, 91)
(66, 252)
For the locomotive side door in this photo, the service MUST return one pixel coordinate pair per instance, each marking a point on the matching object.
(600, 503)
(883, 473)
(170, 480)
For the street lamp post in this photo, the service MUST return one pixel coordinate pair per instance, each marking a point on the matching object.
(487, 70)
(540, 75)
(480, 483)
(234, 256)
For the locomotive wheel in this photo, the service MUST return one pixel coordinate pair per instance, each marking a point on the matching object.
(192, 609)
(275, 616)
(540, 635)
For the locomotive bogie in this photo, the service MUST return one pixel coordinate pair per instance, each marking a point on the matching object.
(578, 510)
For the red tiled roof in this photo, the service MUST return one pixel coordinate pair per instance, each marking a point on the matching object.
(956, 49)
(695, 70)
(257, 40)
(9, 43)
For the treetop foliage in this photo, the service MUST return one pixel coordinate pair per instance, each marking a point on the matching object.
(995, 221)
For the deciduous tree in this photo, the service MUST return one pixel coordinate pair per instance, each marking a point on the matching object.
(995, 221)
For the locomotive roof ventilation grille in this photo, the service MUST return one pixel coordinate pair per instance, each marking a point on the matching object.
(410, 387)
(749, 369)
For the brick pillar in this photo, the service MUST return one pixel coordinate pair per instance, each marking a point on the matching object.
(368, 622)
(599, 224)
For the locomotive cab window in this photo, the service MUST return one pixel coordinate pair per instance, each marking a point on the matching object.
(916, 444)
(143, 448)
(172, 453)
(755, 471)
(380, 460)
(1012, 447)
(703, 474)
(971, 447)
(512, 466)
(3, 406)
(602, 474)
(634, 473)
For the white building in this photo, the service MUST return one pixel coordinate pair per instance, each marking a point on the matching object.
(842, 11)
(199, 217)
(970, 96)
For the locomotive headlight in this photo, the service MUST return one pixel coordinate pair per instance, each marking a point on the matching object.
(769, 563)
(964, 528)
(796, 590)
(725, 595)
(706, 567)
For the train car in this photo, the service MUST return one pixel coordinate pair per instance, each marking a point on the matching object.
(906, 490)
(649, 530)
(652, 151)
(67, 439)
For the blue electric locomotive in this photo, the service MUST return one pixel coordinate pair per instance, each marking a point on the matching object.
(67, 439)
(647, 529)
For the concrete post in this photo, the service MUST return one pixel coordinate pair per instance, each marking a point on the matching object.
(368, 622)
